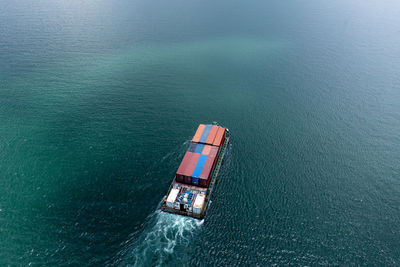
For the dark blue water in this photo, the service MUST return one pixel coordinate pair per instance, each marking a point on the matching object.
(98, 100)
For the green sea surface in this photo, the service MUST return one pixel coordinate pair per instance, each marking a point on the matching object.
(99, 100)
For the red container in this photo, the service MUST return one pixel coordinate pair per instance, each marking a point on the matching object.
(205, 174)
(212, 134)
(203, 182)
(190, 167)
(213, 151)
(199, 132)
(206, 149)
(219, 137)
(184, 164)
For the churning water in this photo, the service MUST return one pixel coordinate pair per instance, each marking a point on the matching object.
(164, 233)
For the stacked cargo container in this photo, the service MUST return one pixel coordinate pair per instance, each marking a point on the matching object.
(202, 155)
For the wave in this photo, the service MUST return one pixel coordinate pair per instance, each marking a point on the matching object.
(157, 244)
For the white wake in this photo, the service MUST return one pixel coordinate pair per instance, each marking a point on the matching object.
(158, 242)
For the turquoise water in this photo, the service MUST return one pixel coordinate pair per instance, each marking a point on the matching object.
(99, 99)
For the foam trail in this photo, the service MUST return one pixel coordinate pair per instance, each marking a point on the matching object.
(158, 242)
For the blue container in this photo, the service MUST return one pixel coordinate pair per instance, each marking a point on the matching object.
(195, 181)
(192, 147)
(199, 166)
(199, 148)
(205, 134)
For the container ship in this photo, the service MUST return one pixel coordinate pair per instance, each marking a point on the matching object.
(191, 188)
